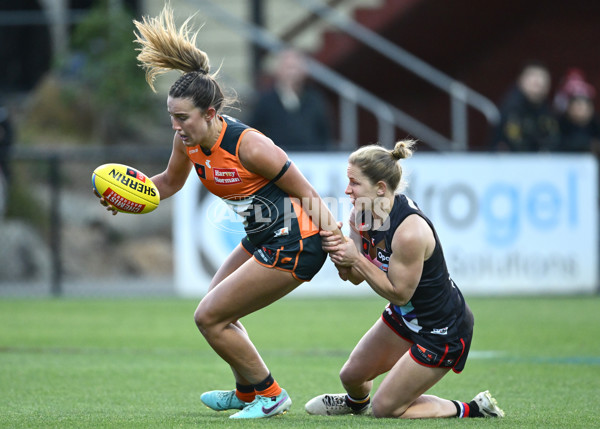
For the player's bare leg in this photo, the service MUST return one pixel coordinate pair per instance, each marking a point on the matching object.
(235, 260)
(244, 291)
(401, 393)
(376, 353)
(248, 289)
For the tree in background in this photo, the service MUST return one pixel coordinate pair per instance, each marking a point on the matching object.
(104, 61)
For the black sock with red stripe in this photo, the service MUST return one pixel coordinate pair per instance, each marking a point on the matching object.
(464, 409)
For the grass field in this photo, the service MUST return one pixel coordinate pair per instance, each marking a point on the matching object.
(133, 363)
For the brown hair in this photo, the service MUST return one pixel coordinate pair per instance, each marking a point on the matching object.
(164, 48)
(378, 163)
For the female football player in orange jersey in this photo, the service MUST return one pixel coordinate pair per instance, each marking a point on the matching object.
(256, 178)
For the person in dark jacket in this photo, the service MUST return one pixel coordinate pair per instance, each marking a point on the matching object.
(527, 122)
(579, 124)
(292, 112)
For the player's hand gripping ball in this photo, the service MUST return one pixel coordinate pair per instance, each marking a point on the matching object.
(125, 189)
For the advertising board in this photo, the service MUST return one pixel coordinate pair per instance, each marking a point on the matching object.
(509, 224)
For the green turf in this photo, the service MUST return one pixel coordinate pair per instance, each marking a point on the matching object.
(142, 364)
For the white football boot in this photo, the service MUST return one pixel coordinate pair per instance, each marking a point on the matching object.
(331, 404)
(488, 406)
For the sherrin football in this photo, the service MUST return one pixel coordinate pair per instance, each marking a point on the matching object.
(127, 189)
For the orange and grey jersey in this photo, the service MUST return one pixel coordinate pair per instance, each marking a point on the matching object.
(267, 211)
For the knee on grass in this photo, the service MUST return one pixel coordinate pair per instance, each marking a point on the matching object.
(352, 377)
(387, 408)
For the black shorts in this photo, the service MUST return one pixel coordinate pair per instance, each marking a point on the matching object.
(303, 258)
(428, 350)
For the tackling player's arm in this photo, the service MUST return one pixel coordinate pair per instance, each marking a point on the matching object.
(331, 243)
(354, 275)
(173, 178)
(261, 156)
(412, 244)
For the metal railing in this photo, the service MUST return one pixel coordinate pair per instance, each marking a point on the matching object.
(55, 161)
(460, 94)
(13, 18)
(351, 95)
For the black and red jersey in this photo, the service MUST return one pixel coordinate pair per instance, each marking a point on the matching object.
(437, 306)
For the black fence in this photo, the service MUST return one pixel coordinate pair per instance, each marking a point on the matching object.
(58, 240)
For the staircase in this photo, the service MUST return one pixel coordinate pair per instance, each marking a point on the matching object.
(234, 54)
(336, 46)
(482, 45)
(285, 14)
(341, 52)
(429, 30)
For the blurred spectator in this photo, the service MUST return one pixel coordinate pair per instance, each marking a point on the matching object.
(579, 125)
(574, 82)
(6, 140)
(527, 122)
(293, 113)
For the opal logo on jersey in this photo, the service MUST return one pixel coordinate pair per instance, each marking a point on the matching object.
(383, 256)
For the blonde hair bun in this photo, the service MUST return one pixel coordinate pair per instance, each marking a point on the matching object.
(403, 149)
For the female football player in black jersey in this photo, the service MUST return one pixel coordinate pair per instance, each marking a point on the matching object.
(426, 329)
